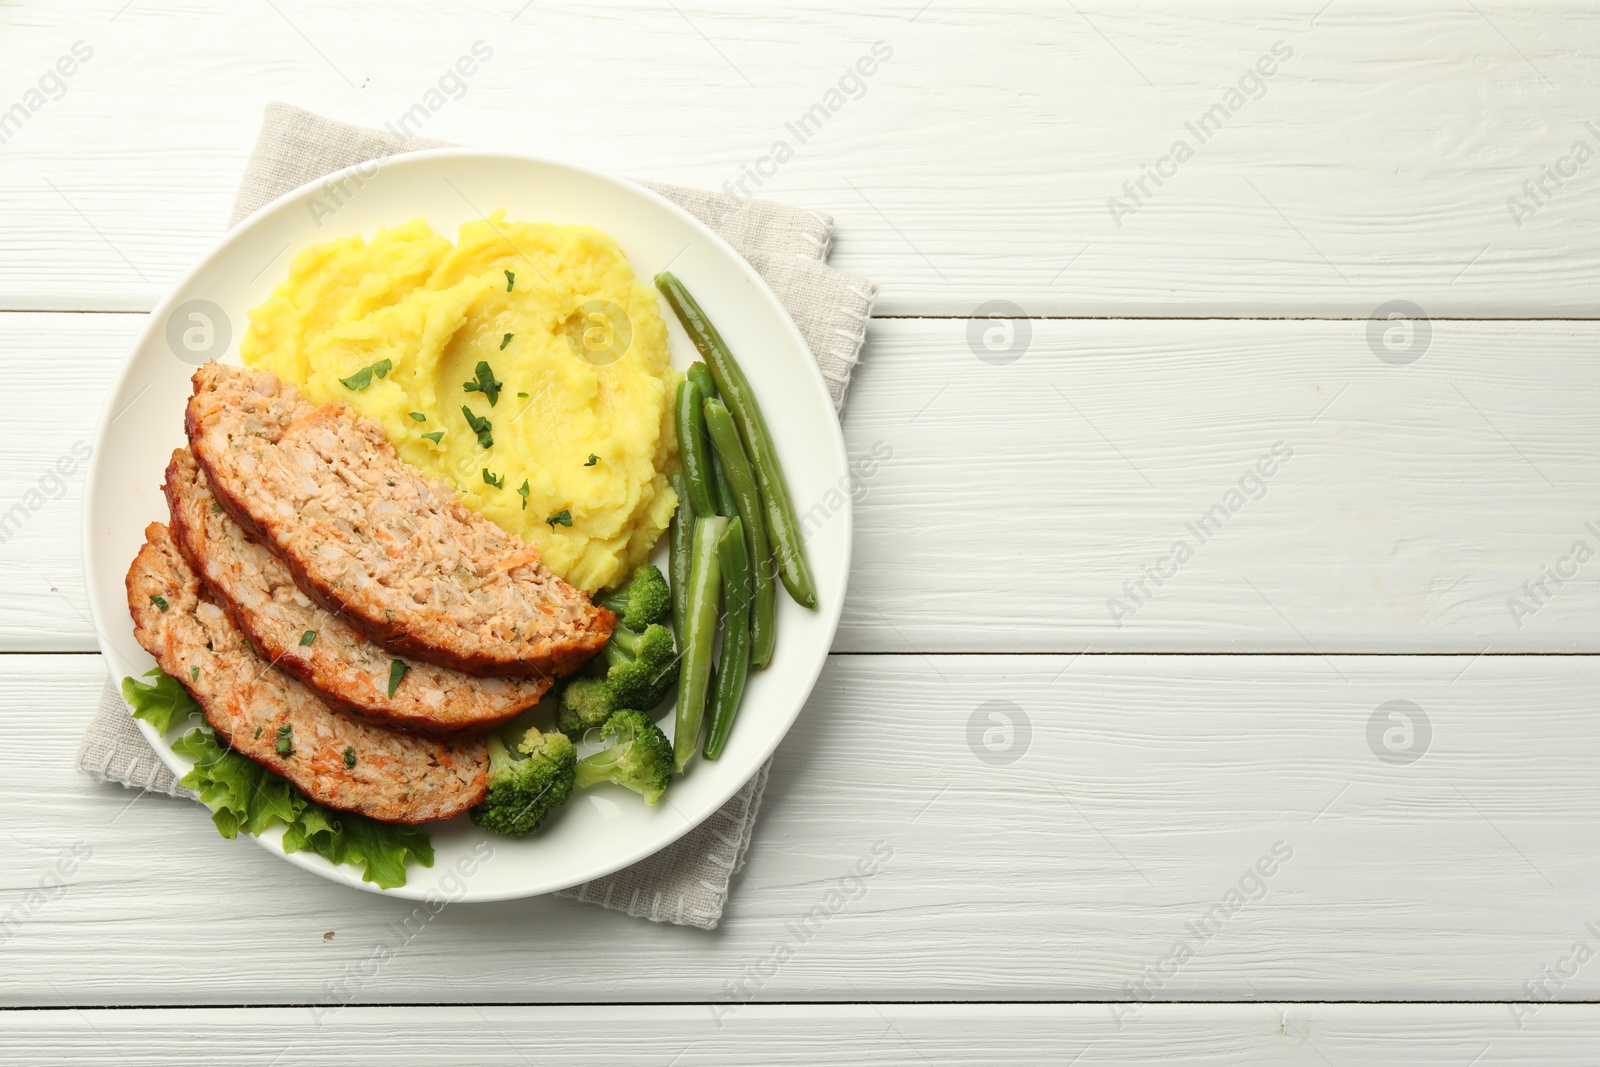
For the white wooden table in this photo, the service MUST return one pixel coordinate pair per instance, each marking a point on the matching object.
(1071, 787)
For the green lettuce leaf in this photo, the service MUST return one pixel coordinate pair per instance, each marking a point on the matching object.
(245, 796)
(242, 794)
(159, 704)
(380, 849)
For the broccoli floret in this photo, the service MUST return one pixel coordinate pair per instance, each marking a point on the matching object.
(530, 775)
(585, 704)
(643, 601)
(640, 760)
(643, 668)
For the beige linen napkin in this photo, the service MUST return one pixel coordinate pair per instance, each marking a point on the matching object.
(686, 882)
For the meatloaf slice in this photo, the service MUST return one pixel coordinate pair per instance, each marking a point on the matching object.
(368, 535)
(335, 760)
(317, 647)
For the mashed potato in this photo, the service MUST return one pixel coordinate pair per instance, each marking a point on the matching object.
(580, 424)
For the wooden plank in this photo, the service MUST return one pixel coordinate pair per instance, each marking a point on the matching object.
(911, 1035)
(1227, 486)
(1007, 507)
(1261, 812)
(1379, 160)
(57, 372)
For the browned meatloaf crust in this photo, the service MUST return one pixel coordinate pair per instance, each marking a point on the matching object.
(317, 647)
(370, 536)
(396, 777)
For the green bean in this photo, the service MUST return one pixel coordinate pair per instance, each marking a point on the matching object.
(681, 538)
(700, 634)
(782, 526)
(733, 462)
(700, 374)
(727, 503)
(733, 667)
(692, 451)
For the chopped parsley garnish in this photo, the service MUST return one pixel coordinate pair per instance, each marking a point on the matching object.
(216, 509)
(194, 674)
(480, 426)
(560, 518)
(363, 377)
(285, 745)
(490, 479)
(307, 637)
(505, 341)
(349, 756)
(592, 460)
(398, 669)
(524, 396)
(436, 436)
(511, 279)
(160, 602)
(258, 731)
(486, 383)
(522, 491)
(417, 416)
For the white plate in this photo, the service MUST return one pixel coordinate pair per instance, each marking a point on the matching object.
(602, 829)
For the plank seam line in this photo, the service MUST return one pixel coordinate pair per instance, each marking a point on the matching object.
(291, 1006)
